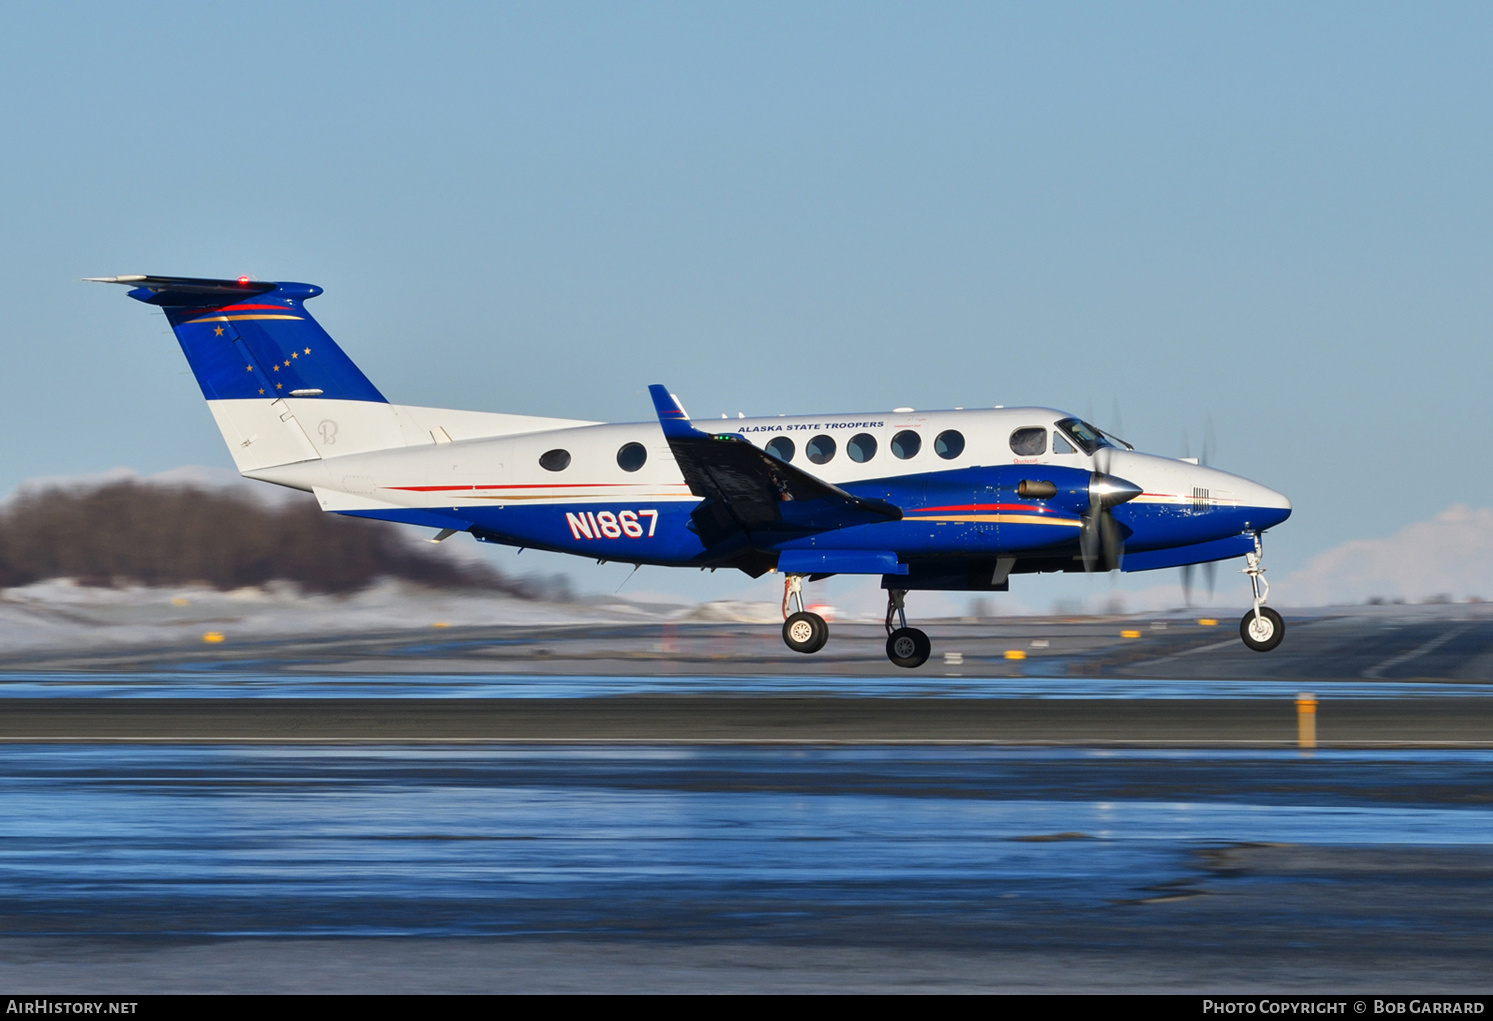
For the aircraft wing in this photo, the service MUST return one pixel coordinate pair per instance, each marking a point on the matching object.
(747, 490)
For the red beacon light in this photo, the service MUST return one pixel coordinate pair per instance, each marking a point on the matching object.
(243, 280)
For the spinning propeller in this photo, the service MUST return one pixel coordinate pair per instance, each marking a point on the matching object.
(1101, 541)
(1210, 569)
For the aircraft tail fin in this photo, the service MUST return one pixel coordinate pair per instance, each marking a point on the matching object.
(260, 359)
(251, 339)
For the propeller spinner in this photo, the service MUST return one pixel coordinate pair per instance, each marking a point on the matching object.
(1101, 541)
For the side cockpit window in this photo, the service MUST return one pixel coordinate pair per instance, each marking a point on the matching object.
(1086, 436)
(1060, 445)
(1029, 442)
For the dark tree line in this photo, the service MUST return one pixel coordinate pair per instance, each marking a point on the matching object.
(159, 535)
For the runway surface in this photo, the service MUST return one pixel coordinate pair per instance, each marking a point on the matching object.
(1452, 643)
(595, 812)
(500, 867)
(1178, 722)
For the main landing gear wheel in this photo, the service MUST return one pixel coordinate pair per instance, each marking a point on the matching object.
(1263, 632)
(905, 646)
(908, 647)
(805, 632)
(802, 631)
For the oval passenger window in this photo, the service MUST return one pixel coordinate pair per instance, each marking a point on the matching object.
(632, 457)
(949, 444)
(1030, 442)
(861, 448)
(780, 447)
(906, 444)
(554, 460)
(821, 449)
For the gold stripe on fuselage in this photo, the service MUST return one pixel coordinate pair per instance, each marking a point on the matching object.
(1002, 519)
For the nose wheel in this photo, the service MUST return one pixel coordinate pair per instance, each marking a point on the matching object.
(905, 646)
(1262, 629)
(802, 631)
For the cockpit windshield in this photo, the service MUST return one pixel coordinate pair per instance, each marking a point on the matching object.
(1088, 437)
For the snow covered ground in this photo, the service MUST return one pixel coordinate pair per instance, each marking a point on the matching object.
(63, 614)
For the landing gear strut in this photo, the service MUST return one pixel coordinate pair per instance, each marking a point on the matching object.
(1262, 628)
(802, 631)
(905, 646)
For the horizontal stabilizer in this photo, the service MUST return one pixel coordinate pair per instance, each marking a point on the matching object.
(177, 291)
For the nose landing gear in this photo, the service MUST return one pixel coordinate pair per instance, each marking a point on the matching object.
(802, 631)
(905, 646)
(1262, 628)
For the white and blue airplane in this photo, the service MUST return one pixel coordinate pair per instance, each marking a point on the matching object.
(948, 500)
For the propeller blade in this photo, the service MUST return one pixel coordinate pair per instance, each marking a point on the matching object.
(1114, 542)
(1089, 543)
(1209, 442)
(1210, 575)
(1101, 542)
(1187, 584)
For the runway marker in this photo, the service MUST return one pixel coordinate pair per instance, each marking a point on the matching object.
(1306, 720)
(1208, 622)
(1129, 634)
(213, 637)
(1016, 654)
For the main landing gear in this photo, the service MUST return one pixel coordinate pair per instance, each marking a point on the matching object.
(802, 631)
(1262, 628)
(807, 632)
(905, 646)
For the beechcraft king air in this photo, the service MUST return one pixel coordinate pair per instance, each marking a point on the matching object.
(948, 500)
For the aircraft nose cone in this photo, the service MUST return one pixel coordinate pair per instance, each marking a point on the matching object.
(1111, 490)
(1270, 508)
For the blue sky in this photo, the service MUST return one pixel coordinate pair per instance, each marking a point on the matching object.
(1273, 216)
